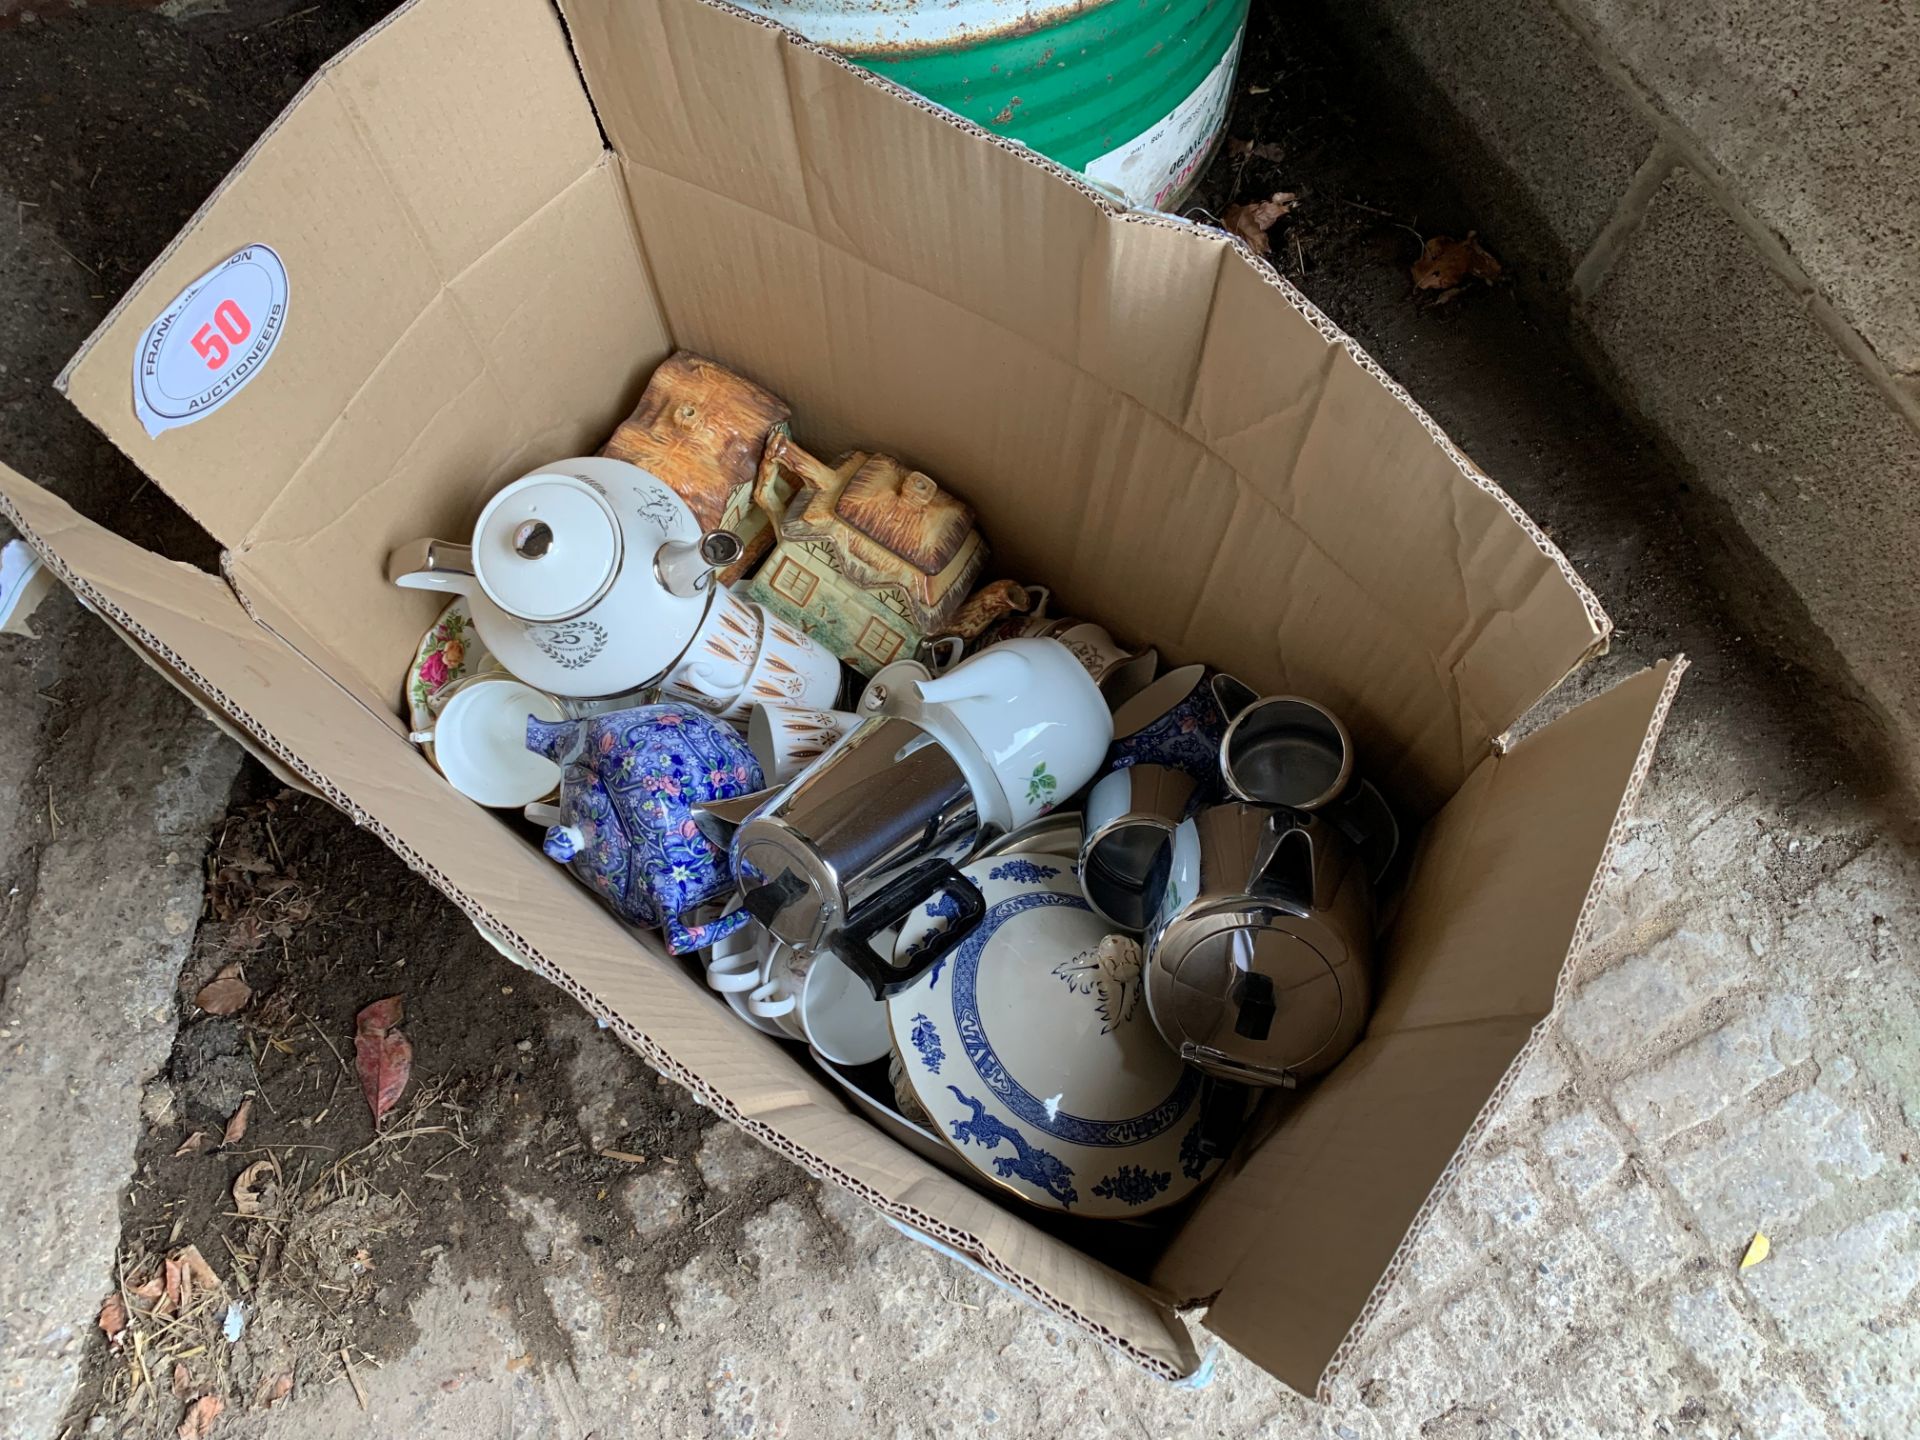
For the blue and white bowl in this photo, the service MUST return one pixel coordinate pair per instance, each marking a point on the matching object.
(1032, 1053)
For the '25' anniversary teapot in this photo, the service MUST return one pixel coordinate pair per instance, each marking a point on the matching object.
(586, 578)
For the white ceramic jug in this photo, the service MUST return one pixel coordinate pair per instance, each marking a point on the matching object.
(1024, 721)
(588, 577)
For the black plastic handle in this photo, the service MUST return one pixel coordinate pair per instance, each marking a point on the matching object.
(891, 904)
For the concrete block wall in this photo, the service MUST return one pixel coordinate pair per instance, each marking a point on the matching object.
(1725, 196)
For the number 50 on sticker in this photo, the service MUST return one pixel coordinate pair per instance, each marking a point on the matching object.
(212, 340)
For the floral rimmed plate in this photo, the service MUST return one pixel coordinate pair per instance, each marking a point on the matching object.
(1031, 1051)
(451, 650)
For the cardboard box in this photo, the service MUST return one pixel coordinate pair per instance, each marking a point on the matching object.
(494, 225)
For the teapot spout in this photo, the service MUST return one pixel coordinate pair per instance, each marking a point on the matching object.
(686, 567)
(561, 741)
(994, 671)
(718, 819)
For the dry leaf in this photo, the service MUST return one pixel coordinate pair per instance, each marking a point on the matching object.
(1266, 150)
(187, 1270)
(1446, 264)
(226, 994)
(272, 1391)
(113, 1319)
(182, 1381)
(1757, 1250)
(237, 1126)
(1251, 222)
(200, 1417)
(148, 1289)
(382, 1055)
(251, 1186)
(191, 1144)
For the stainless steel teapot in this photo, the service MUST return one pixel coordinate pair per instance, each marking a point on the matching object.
(1259, 950)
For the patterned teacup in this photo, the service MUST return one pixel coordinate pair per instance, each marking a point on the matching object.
(1176, 722)
(786, 739)
(791, 669)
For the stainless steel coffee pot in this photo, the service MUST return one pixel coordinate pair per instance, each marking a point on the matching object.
(1259, 952)
(866, 833)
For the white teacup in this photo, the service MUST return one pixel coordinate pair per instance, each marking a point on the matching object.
(785, 740)
(730, 633)
(791, 669)
(478, 740)
(713, 669)
(746, 969)
(839, 1015)
(710, 685)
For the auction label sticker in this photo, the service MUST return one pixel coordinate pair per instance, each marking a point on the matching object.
(214, 338)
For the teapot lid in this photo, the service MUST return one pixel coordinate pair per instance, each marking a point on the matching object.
(546, 547)
(1255, 996)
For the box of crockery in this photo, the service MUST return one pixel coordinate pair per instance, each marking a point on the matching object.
(461, 252)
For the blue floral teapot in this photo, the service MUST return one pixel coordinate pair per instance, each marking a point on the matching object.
(625, 818)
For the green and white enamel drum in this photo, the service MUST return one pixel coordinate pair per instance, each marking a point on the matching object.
(1131, 93)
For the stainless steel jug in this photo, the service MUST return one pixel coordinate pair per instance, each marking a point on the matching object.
(847, 850)
(1259, 952)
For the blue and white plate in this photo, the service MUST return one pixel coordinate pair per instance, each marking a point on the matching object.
(1031, 1050)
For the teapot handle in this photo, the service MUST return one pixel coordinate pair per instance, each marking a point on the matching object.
(684, 939)
(780, 457)
(433, 565)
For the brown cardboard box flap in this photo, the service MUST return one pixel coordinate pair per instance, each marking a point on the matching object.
(1316, 1220)
(1171, 425)
(195, 626)
(400, 165)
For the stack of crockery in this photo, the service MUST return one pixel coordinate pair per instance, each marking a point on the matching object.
(1071, 1007)
(1052, 921)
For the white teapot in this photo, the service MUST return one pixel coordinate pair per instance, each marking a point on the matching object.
(588, 577)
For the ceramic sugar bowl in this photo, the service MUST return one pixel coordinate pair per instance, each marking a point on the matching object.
(624, 823)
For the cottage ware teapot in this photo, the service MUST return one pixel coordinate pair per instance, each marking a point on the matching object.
(1259, 954)
(586, 578)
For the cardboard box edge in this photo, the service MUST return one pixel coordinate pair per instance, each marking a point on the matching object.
(506, 939)
(1583, 924)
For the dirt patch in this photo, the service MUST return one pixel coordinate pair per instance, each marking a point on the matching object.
(516, 1102)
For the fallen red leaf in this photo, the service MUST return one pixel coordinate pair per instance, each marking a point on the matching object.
(182, 1380)
(1447, 264)
(113, 1318)
(178, 1286)
(192, 1143)
(226, 994)
(382, 1055)
(148, 1289)
(1251, 222)
(237, 1126)
(200, 1417)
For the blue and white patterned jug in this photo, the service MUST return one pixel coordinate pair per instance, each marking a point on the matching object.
(627, 794)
